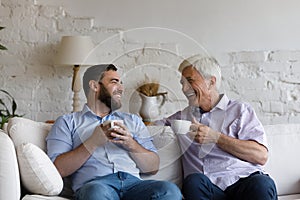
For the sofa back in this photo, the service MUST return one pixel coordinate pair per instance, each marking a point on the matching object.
(169, 151)
(284, 163)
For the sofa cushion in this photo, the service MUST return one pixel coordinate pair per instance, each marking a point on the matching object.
(41, 197)
(289, 197)
(38, 173)
(284, 164)
(9, 171)
(169, 152)
(22, 130)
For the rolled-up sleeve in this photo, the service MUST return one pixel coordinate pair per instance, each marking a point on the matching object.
(250, 128)
(59, 139)
(141, 134)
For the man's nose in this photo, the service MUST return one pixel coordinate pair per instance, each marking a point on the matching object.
(186, 87)
(120, 86)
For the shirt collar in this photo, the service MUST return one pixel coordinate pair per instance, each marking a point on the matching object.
(222, 104)
(86, 110)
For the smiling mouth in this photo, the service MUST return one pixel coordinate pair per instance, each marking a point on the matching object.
(190, 94)
(119, 96)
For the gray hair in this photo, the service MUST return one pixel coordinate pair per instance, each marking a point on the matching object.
(206, 66)
(96, 73)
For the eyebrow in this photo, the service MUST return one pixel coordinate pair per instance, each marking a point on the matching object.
(116, 79)
(189, 78)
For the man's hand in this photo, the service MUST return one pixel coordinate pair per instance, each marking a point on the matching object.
(122, 136)
(98, 138)
(203, 134)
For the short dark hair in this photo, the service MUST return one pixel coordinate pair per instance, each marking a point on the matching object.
(96, 73)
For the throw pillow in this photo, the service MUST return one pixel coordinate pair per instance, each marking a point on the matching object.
(38, 173)
(23, 130)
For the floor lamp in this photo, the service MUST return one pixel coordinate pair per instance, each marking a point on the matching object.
(76, 51)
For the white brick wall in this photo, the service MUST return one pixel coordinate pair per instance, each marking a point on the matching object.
(269, 80)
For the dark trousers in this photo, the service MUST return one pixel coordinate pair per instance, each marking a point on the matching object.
(257, 186)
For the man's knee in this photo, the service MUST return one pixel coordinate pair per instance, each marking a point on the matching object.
(264, 187)
(265, 184)
(91, 191)
(168, 189)
(195, 179)
(261, 180)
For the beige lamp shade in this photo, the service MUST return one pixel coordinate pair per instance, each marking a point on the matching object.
(76, 50)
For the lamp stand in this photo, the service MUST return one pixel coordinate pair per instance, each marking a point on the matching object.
(76, 87)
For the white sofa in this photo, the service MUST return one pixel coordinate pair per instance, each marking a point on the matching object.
(24, 163)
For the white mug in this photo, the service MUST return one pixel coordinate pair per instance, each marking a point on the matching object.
(112, 123)
(180, 126)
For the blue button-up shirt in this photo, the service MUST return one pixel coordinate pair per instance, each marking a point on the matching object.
(70, 130)
(232, 118)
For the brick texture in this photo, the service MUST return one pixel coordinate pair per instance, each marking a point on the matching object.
(269, 80)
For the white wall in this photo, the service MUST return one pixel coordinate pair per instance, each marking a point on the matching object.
(255, 42)
(221, 26)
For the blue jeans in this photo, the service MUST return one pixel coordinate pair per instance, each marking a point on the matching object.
(257, 186)
(124, 186)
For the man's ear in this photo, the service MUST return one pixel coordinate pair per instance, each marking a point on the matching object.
(212, 82)
(94, 85)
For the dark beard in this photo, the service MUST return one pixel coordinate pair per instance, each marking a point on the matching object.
(107, 99)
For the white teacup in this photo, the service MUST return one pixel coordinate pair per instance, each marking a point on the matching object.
(112, 124)
(180, 126)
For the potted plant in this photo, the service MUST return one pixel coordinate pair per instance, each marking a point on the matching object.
(7, 111)
(1, 46)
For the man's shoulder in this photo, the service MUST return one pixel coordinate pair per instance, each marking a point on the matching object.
(66, 116)
(62, 120)
(239, 104)
(67, 119)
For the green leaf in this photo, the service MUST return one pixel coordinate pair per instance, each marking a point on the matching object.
(5, 112)
(13, 107)
(4, 119)
(3, 104)
(7, 93)
(3, 47)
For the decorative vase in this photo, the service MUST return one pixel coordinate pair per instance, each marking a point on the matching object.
(150, 108)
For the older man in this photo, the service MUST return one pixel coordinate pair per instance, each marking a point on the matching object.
(226, 148)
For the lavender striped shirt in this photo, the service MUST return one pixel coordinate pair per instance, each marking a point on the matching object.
(232, 118)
